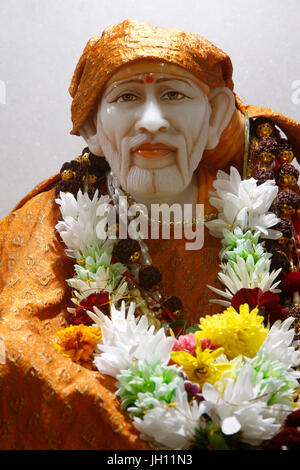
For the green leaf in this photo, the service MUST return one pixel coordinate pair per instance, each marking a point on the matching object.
(215, 437)
(192, 329)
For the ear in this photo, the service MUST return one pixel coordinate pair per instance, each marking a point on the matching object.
(222, 104)
(88, 131)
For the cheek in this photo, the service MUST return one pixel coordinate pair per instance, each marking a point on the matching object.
(115, 123)
(189, 119)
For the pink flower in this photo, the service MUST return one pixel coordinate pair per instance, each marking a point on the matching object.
(186, 343)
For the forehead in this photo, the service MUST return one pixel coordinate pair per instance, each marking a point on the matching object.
(131, 71)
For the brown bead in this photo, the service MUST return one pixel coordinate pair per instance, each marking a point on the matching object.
(280, 260)
(149, 276)
(286, 175)
(267, 145)
(68, 186)
(124, 249)
(173, 303)
(72, 165)
(262, 175)
(285, 227)
(286, 151)
(294, 311)
(99, 164)
(287, 202)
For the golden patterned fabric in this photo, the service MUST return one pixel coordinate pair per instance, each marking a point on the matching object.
(46, 401)
(133, 40)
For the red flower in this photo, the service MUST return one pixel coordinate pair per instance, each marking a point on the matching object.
(293, 419)
(289, 436)
(266, 302)
(81, 317)
(102, 301)
(287, 439)
(290, 283)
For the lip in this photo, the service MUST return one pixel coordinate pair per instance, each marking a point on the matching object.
(153, 163)
(153, 150)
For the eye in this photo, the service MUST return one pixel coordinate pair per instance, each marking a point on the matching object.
(173, 96)
(126, 97)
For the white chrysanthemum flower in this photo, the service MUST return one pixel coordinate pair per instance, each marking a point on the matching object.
(80, 215)
(87, 286)
(96, 273)
(102, 282)
(171, 425)
(243, 244)
(278, 345)
(242, 408)
(244, 204)
(245, 274)
(126, 338)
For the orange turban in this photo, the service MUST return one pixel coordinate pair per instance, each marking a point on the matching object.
(132, 41)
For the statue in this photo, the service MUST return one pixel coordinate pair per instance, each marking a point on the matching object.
(159, 105)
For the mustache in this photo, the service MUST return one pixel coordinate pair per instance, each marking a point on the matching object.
(136, 141)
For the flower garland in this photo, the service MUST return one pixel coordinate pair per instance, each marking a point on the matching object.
(229, 382)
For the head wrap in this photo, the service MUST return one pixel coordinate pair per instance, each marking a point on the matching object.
(131, 41)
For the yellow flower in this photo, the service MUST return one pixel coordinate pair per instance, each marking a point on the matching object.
(203, 367)
(238, 333)
(78, 342)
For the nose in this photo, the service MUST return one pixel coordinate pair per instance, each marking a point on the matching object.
(151, 118)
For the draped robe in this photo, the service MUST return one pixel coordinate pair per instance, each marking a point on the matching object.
(46, 401)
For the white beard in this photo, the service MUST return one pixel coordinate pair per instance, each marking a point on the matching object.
(143, 181)
(154, 182)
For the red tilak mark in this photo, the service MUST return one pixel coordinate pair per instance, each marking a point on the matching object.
(149, 78)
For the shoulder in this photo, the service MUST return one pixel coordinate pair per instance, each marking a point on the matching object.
(289, 126)
(42, 187)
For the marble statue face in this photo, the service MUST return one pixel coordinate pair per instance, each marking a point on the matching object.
(152, 125)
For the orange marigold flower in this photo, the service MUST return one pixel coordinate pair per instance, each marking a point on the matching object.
(78, 343)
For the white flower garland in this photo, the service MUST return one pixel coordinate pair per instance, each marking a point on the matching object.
(243, 402)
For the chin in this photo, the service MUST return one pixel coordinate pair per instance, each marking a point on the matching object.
(162, 182)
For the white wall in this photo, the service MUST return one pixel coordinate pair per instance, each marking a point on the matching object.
(41, 41)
